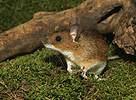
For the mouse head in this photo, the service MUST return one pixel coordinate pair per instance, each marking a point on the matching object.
(60, 41)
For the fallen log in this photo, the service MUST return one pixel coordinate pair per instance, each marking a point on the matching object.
(102, 15)
(125, 32)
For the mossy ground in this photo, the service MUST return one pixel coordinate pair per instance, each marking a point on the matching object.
(33, 77)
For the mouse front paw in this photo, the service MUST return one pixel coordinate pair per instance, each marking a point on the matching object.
(69, 70)
(84, 76)
(69, 66)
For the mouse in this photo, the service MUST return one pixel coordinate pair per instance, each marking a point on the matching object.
(89, 52)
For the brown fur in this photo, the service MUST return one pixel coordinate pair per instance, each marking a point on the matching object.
(89, 51)
(88, 46)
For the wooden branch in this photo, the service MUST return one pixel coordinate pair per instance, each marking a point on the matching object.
(102, 15)
(125, 32)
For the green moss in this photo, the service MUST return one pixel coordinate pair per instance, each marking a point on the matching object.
(15, 12)
(32, 77)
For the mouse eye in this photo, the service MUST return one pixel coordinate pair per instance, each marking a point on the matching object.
(58, 38)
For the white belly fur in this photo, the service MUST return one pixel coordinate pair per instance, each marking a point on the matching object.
(99, 66)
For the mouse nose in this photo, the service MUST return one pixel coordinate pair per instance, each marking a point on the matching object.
(47, 37)
(45, 40)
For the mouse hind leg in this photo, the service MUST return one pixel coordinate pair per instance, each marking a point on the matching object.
(86, 66)
(101, 67)
(95, 67)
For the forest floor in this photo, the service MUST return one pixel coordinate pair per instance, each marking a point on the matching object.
(42, 75)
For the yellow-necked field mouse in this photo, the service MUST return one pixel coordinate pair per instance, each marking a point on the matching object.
(89, 52)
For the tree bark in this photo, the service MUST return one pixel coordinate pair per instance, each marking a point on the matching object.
(125, 32)
(101, 15)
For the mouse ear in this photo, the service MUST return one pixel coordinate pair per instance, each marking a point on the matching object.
(74, 33)
(74, 28)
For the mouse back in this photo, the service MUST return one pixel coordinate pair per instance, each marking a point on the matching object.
(94, 44)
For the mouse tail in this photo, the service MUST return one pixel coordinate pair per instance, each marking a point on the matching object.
(113, 57)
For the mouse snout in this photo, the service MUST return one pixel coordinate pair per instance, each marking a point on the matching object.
(47, 37)
(49, 40)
